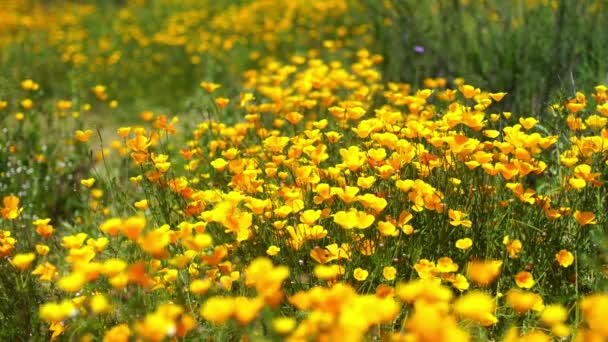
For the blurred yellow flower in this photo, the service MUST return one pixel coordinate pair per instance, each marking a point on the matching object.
(100, 304)
(23, 261)
(484, 273)
(522, 301)
(118, 333)
(283, 325)
(56, 312)
(218, 309)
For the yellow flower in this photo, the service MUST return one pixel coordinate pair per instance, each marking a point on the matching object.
(133, 226)
(389, 273)
(83, 136)
(27, 104)
(58, 328)
(522, 301)
(72, 282)
(360, 274)
(513, 247)
(283, 325)
(457, 218)
(42, 250)
(29, 85)
(524, 279)
(23, 261)
(99, 304)
(247, 308)
(446, 265)
(564, 258)
(554, 314)
(595, 310)
(464, 244)
(484, 273)
(118, 333)
(273, 250)
(366, 182)
(124, 131)
(528, 123)
(88, 182)
(294, 117)
(221, 102)
(55, 312)
(497, 96)
(111, 226)
(477, 306)
(47, 272)
(353, 219)
(141, 205)
(218, 309)
(219, 164)
(209, 86)
(469, 91)
(330, 272)
(200, 286)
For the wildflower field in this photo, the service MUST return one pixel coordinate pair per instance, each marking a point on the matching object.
(303, 170)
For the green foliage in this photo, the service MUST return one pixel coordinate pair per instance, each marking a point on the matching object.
(530, 49)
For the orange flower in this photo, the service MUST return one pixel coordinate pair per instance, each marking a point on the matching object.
(221, 102)
(209, 86)
(584, 217)
(11, 209)
(43, 228)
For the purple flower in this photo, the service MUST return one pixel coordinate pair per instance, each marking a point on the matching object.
(419, 49)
